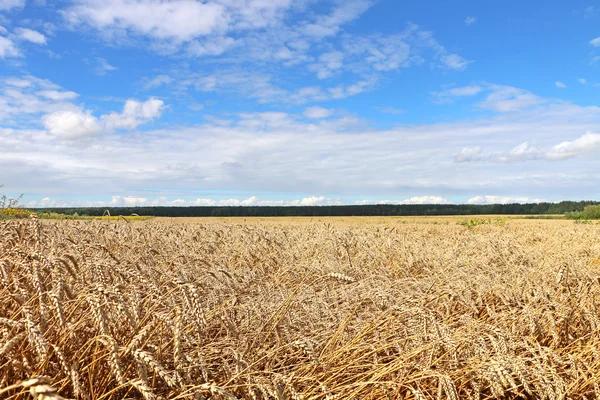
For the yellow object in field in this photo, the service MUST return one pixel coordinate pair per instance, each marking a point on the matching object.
(15, 212)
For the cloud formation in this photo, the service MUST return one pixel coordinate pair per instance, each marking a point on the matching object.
(412, 200)
(283, 152)
(508, 99)
(24, 99)
(135, 201)
(502, 200)
(72, 124)
(6, 5)
(30, 35)
(134, 114)
(179, 21)
(560, 85)
(8, 48)
(100, 66)
(457, 92)
(587, 143)
(344, 64)
(468, 154)
(317, 112)
(78, 123)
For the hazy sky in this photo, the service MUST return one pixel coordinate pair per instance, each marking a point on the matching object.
(131, 102)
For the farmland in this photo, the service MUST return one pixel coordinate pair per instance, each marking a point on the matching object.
(299, 308)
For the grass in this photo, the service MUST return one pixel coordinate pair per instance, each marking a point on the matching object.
(323, 308)
(544, 216)
(20, 213)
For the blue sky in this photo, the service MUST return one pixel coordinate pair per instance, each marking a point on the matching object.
(250, 102)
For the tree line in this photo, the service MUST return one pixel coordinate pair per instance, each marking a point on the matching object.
(331, 211)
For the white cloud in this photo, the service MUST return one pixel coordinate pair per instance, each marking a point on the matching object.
(253, 201)
(30, 35)
(211, 47)
(18, 82)
(464, 91)
(203, 202)
(178, 20)
(522, 152)
(10, 4)
(134, 114)
(508, 99)
(582, 81)
(328, 64)
(328, 25)
(502, 200)
(157, 81)
(8, 48)
(595, 42)
(312, 201)
(72, 124)
(257, 29)
(202, 28)
(244, 70)
(559, 84)
(586, 143)
(391, 110)
(454, 61)
(115, 200)
(249, 202)
(101, 67)
(387, 52)
(269, 152)
(47, 202)
(256, 36)
(57, 95)
(20, 97)
(135, 201)
(261, 87)
(317, 112)
(77, 124)
(470, 20)
(27, 101)
(468, 154)
(418, 200)
(343, 91)
(384, 52)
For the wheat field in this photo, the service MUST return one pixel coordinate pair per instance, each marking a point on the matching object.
(380, 308)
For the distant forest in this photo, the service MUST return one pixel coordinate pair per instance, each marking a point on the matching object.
(331, 211)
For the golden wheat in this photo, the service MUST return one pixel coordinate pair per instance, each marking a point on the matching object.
(298, 309)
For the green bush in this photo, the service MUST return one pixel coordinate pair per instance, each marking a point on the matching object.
(589, 212)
